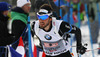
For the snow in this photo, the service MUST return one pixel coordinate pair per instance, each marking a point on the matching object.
(86, 39)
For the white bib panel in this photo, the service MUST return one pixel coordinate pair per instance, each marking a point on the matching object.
(53, 44)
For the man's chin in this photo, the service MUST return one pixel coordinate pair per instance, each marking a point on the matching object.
(41, 27)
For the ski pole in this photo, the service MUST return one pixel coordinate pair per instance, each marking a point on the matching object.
(89, 50)
(83, 45)
(92, 49)
(78, 55)
(29, 38)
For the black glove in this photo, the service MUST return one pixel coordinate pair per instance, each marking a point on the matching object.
(81, 49)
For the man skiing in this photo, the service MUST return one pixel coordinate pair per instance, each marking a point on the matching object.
(53, 33)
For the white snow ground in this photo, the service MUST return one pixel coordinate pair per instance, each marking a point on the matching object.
(85, 39)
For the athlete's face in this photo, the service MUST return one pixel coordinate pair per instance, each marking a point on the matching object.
(44, 23)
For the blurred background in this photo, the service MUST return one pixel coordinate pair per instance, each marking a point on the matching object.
(84, 14)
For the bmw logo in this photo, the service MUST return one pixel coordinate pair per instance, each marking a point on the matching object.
(48, 37)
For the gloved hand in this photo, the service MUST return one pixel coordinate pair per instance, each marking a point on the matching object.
(81, 49)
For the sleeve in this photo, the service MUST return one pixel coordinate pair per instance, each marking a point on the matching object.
(67, 28)
(17, 28)
(33, 33)
(32, 29)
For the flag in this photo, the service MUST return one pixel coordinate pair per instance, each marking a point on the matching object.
(36, 52)
(20, 49)
(40, 53)
(34, 49)
(19, 52)
(13, 53)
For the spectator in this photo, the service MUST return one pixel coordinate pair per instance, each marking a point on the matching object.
(5, 37)
(19, 17)
(75, 8)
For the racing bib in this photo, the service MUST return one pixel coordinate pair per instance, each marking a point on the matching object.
(55, 48)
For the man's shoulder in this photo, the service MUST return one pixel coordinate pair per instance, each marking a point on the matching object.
(35, 22)
(17, 15)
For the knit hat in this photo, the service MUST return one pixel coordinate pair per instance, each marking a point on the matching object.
(4, 6)
(21, 3)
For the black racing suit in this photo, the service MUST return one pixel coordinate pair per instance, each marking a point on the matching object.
(65, 27)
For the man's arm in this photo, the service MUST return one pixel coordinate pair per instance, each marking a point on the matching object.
(17, 28)
(32, 29)
(65, 27)
(40, 48)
